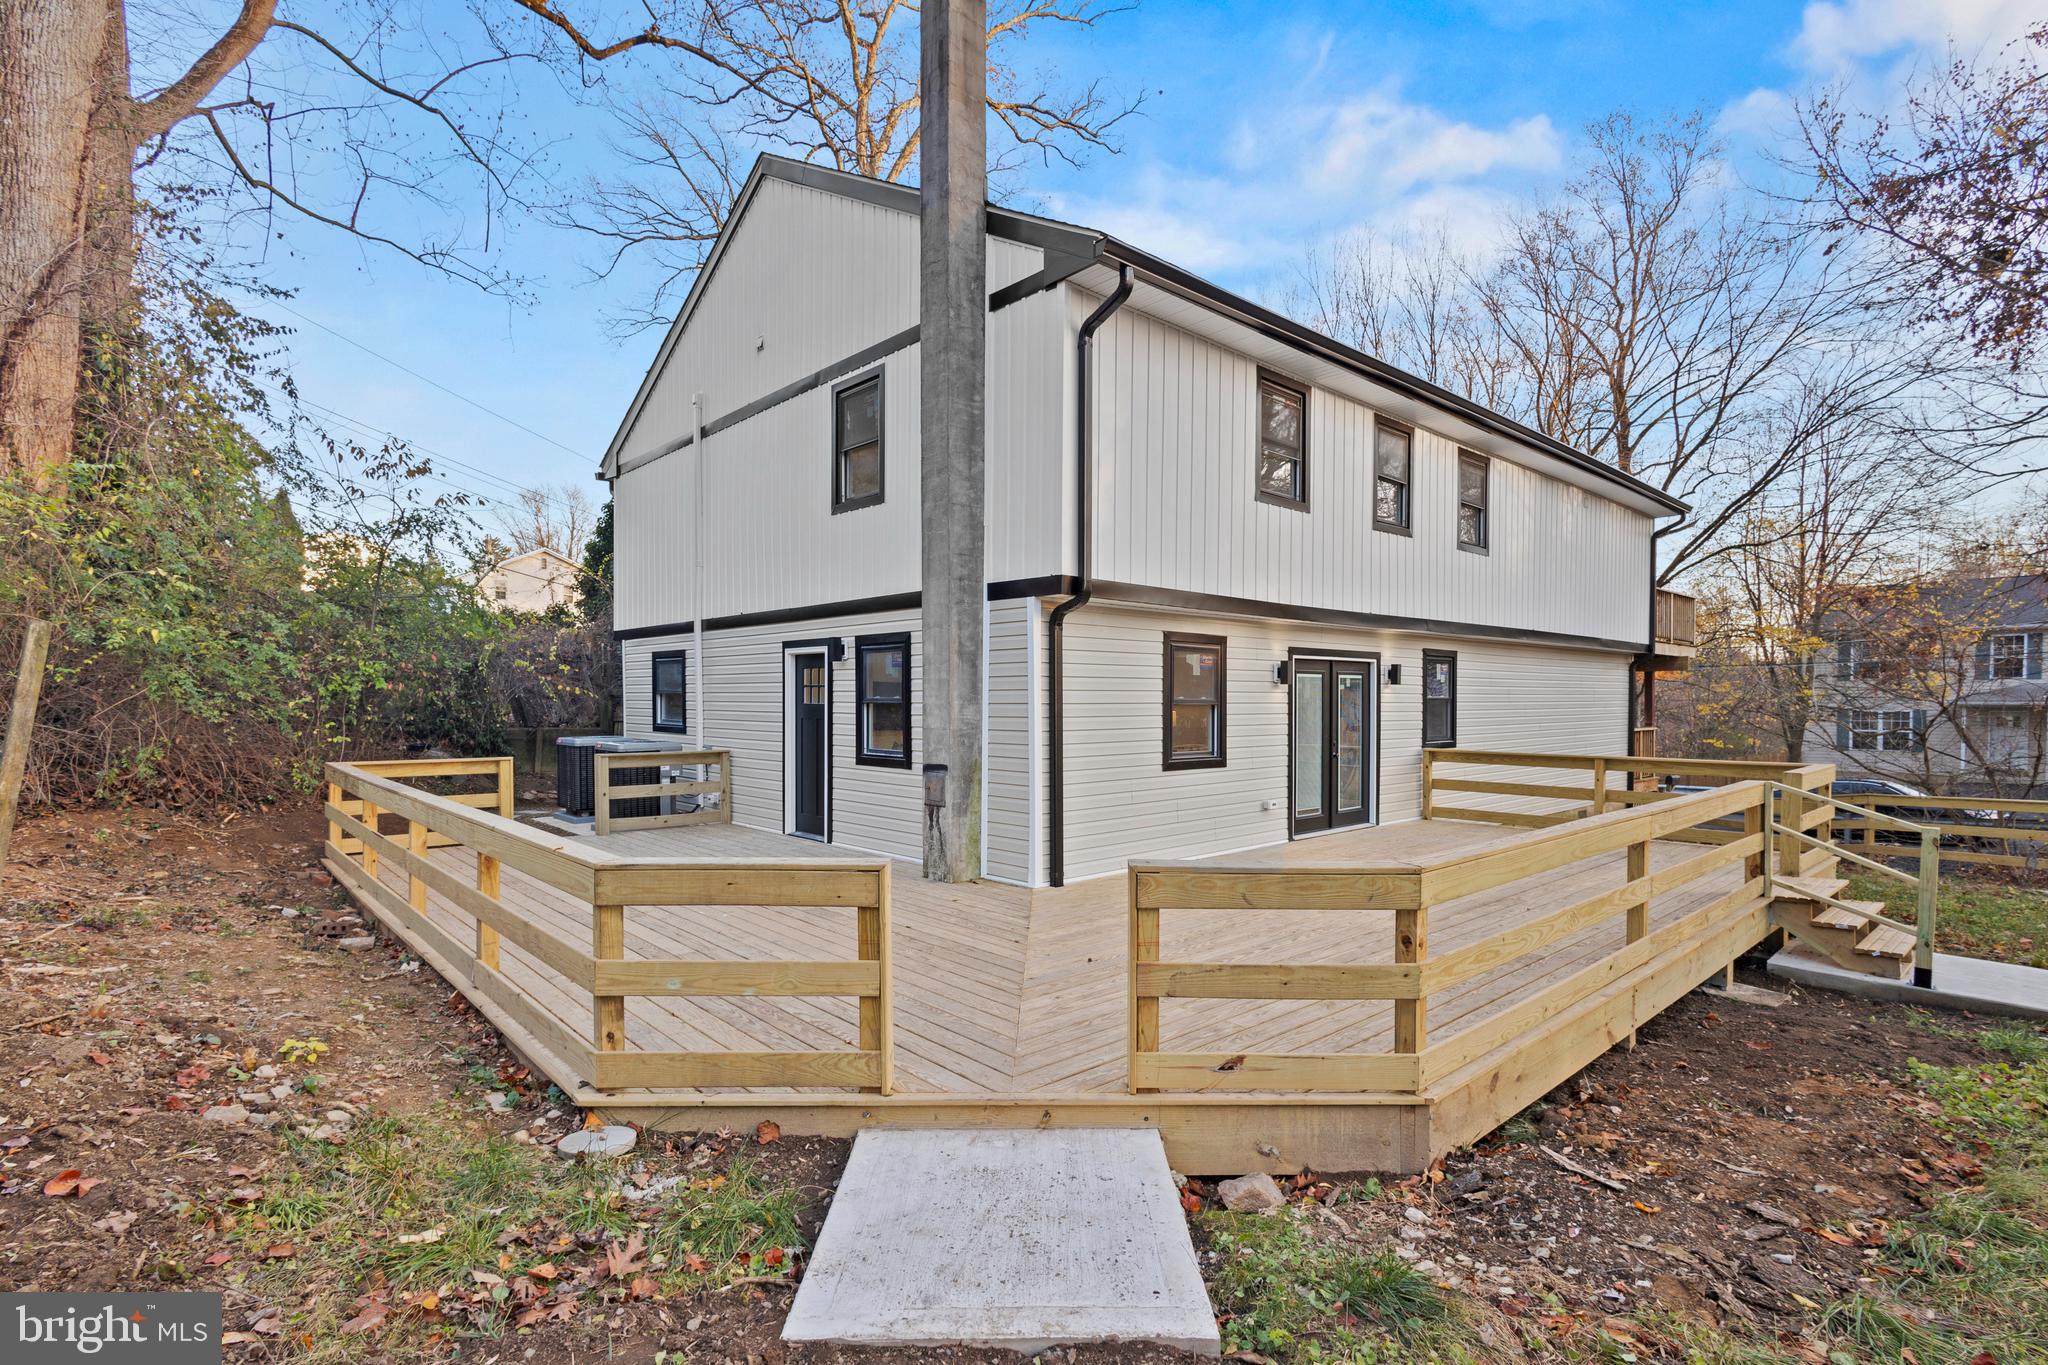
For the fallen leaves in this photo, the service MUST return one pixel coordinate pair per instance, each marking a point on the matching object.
(767, 1131)
(117, 1222)
(368, 1318)
(69, 1183)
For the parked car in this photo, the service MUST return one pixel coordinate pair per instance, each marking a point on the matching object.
(1855, 789)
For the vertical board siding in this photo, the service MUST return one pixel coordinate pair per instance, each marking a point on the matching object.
(1122, 806)
(1175, 423)
(1028, 498)
(653, 566)
(1015, 695)
(874, 810)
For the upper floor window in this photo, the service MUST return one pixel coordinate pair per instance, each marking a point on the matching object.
(1393, 464)
(2014, 654)
(882, 687)
(1439, 698)
(1856, 659)
(857, 443)
(1283, 443)
(1196, 700)
(1472, 492)
(671, 691)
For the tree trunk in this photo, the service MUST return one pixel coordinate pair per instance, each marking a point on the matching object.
(49, 56)
(108, 292)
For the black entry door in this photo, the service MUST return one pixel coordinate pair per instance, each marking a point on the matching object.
(809, 706)
(1332, 744)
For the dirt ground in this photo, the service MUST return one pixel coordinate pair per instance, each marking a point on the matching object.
(1732, 1168)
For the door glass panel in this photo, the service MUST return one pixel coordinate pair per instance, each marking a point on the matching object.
(1350, 722)
(1309, 743)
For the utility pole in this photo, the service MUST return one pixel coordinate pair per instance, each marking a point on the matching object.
(953, 308)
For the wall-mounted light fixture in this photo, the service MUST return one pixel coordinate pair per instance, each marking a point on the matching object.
(1283, 673)
(1393, 675)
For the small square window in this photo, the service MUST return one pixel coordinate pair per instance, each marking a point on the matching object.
(1195, 703)
(1283, 443)
(857, 444)
(671, 691)
(882, 699)
(1393, 461)
(1473, 472)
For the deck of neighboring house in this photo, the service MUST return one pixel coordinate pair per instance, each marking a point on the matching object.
(1364, 999)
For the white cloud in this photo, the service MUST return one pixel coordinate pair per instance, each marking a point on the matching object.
(1758, 116)
(1382, 137)
(1836, 34)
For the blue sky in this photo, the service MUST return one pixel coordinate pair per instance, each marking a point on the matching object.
(1265, 129)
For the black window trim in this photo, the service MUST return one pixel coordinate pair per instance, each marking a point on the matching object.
(1221, 758)
(1485, 503)
(861, 645)
(1430, 656)
(654, 663)
(1300, 390)
(1398, 528)
(877, 377)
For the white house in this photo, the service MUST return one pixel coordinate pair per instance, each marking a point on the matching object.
(533, 581)
(1239, 575)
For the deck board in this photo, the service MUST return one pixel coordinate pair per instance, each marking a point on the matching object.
(1001, 990)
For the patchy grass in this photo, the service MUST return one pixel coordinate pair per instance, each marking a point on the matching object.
(1978, 916)
(1288, 1296)
(437, 1228)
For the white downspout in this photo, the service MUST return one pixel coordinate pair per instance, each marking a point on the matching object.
(697, 546)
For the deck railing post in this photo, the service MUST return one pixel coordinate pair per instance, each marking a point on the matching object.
(416, 844)
(876, 1026)
(371, 815)
(1638, 910)
(1144, 1009)
(1930, 890)
(1599, 786)
(507, 807)
(333, 829)
(1411, 944)
(1428, 783)
(601, 800)
(608, 944)
(489, 882)
(1792, 810)
(1754, 821)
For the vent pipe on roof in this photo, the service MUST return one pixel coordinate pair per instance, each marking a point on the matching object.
(953, 312)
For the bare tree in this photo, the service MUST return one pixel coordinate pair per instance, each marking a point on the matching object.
(558, 519)
(834, 82)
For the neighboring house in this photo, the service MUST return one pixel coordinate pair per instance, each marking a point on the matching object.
(533, 581)
(1302, 566)
(1942, 686)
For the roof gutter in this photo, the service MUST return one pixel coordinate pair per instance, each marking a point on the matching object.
(1084, 588)
(1172, 278)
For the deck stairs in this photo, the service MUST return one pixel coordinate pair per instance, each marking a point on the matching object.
(1811, 909)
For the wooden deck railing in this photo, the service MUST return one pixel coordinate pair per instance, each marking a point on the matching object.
(713, 791)
(1566, 801)
(1999, 830)
(1677, 619)
(1406, 894)
(614, 888)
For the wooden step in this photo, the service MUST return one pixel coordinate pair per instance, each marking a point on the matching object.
(1885, 941)
(1834, 917)
(1807, 888)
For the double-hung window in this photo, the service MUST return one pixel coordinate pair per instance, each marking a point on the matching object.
(1439, 699)
(1393, 466)
(882, 694)
(2006, 657)
(672, 691)
(857, 443)
(1195, 703)
(1473, 529)
(1283, 443)
(1884, 730)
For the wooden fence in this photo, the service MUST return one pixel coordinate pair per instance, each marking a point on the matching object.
(612, 888)
(713, 790)
(1405, 894)
(1999, 831)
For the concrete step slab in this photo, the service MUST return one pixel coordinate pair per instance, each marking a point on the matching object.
(1961, 983)
(1005, 1238)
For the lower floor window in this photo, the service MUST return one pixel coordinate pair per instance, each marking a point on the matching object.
(883, 662)
(1195, 702)
(1439, 698)
(1882, 730)
(671, 691)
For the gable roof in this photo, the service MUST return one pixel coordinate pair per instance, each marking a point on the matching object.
(1070, 248)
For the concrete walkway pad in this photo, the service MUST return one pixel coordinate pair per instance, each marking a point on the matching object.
(1960, 983)
(1022, 1238)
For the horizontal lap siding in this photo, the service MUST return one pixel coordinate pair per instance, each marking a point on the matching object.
(636, 663)
(876, 810)
(1122, 806)
(1015, 692)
